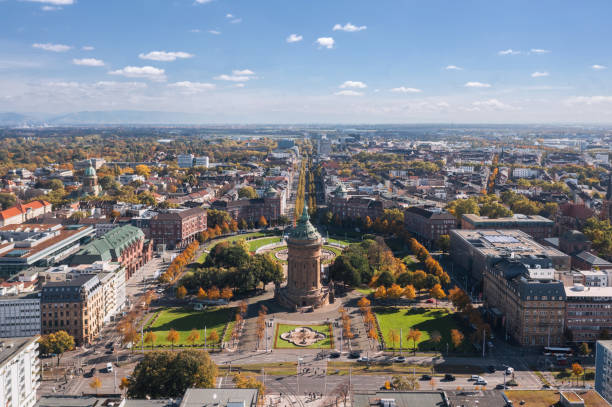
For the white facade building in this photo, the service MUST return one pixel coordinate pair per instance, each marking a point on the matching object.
(524, 173)
(19, 372)
(184, 160)
(201, 161)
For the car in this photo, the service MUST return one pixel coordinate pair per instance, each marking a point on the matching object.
(509, 370)
(449, 377)
(546, 386)
(334, 355)
(491, 369)
(364, 359)
(481, 382)
(354, 355)
(475, 377)
(91, 372)
(429, 301)
(109, 351)
(501, 386)
(425, 377)
(398, 359)
(109, 367)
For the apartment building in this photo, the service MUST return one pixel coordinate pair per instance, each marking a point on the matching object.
(21, 213)
(271, 206)
(19, 371)
(526, 302)
(75, 306)
(178, 228)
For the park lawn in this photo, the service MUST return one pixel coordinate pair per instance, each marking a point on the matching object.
(333, 249)
(343, 242)
(283, 344)
(257, 243)
(551, 397)
(184, 320)
(202, 257)
(424, 319)
(364, 290)
(245, 236)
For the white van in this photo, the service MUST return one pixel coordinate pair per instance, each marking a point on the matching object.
(109, 367)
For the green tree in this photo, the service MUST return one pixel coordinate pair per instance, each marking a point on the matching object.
(77, 216)
(7, 200)
(463, 206)
(57, 343)
(247, 192)
(600, 234)
(164, 374)
(443, 243)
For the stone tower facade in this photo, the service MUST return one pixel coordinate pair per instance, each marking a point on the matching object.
(304, 288)
(90, 181)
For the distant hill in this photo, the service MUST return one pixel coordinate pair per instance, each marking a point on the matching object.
(125, 117)
(16, 119)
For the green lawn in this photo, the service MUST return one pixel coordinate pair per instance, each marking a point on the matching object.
(202, 257)
(210, 245)
(184, 320)
(341, 241)
(257, 243)
(364, 290)
(324, 344)
(425, 320)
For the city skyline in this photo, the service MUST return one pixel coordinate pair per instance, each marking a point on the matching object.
(223, 61)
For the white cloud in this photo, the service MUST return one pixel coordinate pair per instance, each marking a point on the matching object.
(87, 48)
(539, 74)
(165, 56)
(146, 72)
(588, 100)
(52, 47)
(348, 93)
(214, 32)
(403, 89)
(50, 8)
(477, 85)
(238, 85)
(236, 21)
(492, 104)
(54, 2)
(232, 78)
(194, 30)
(453, 68)
(88, 62)
(203, 1)
(539, 51)
(325, 42)
(228, 15)
(598, 67)
(242, 72)
(348, 27)
(192, 87)
(509, 51)
(353, 84)
(294, 38)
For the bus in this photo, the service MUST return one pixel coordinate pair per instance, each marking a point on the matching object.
(551, 351)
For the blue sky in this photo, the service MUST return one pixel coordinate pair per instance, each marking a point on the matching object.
(389, 61)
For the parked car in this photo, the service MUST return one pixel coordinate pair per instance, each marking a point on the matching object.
(354, 355)
(449, 377)
(509, 370)
(364, 359)
(398, 359)
(475, 377)
(334, 355)
(91, 372)
(429, 301)
(425, 377)
(109, 367)
(481, 382)
(491, 369)
(501, 386)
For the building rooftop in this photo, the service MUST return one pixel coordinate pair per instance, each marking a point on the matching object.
(511, 242)
(593, 260)
(111, 244)
(516, 219)
(580, 291)
(12, 346)
(400, 399)
(304, 230)
(219, 398)
(546, 398)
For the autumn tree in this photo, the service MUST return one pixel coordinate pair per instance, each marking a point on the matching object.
(577, 371)
(193, 337)
(262, 222)
(213, 293)
(213, 337)
(150, 338)
(56, 343)
(437, 293)
(456, 338)
(181, 292)
(95, 384)
(394, 337)
(409, 292)
(414, 335)
(227, 293)
(172, 337)
(201, 294)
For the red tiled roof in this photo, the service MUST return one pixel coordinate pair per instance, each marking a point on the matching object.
(22, 208)
(10, 212)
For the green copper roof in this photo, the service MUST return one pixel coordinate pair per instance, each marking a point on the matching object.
(90, 171)
(304, 229)
(112, 243)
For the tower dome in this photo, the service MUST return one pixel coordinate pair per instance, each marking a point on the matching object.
(304, 230)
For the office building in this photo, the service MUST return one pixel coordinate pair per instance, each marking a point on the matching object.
(19, 371)
(588, 312)
(184, 160)
(478, 250)
(428, 224)
(271, 206)
(536, 226)
(203, 161)
(23, 246)
(178, 228)
(19, 309)
(603, 369)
